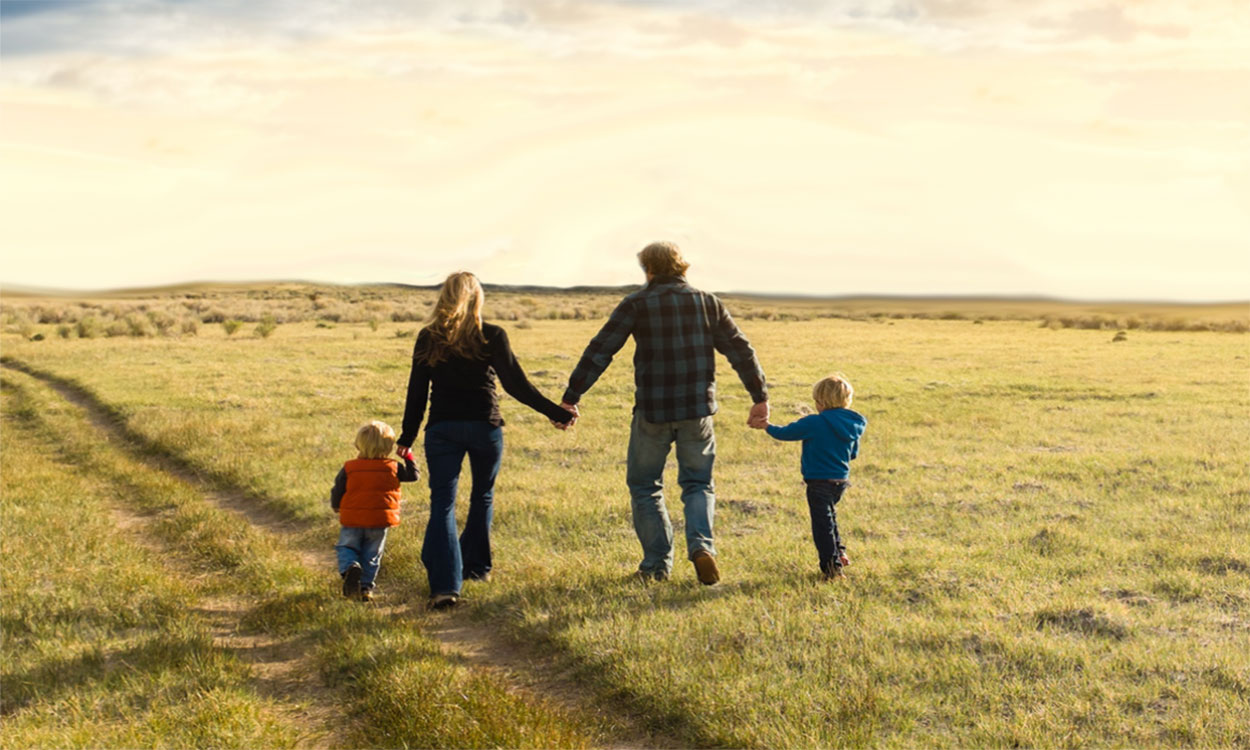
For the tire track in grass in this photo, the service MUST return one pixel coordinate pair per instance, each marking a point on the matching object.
(279, 669)
(282, 670)
(521, 670)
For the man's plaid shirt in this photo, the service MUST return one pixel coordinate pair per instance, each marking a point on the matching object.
(677, 329)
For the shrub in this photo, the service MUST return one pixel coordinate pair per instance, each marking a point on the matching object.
(1120, 336)
(266, 326)
(138, 326)
(64, 331)
(88, 327)
(231, 326)
(373, 324)
(49, 315)
(116, 328)
(163, 321)
(403, 333)
(191, 326)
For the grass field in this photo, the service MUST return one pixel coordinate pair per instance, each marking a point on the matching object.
(1047, 531)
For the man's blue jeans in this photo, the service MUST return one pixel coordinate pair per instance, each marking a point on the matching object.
(362, 546)
(447, 561)
(649, 445)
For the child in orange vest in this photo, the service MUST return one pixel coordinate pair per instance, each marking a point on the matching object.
(366, 496)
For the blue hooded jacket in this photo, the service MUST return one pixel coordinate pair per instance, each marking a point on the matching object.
(830, 441)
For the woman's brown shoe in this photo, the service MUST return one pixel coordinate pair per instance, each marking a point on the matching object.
(443, 601)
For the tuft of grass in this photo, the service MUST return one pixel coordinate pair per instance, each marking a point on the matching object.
(265, 327)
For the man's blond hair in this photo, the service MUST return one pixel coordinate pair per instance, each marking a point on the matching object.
(662, 259)
(832, 392)
(375, 440)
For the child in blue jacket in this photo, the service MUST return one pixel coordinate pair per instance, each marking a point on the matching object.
(830, 440)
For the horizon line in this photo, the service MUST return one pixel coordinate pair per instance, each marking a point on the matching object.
(32, 290)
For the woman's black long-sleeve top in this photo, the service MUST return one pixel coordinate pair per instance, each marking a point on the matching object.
(460, 388)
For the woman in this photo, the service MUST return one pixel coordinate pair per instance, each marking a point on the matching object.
(454, 363)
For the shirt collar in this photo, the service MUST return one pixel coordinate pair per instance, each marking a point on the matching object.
(657, 280)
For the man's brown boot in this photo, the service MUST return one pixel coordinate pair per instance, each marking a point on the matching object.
(705, 567)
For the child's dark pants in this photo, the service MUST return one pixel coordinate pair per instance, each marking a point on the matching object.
(822, 496)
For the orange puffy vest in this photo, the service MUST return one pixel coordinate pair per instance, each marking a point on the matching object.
(372, 496)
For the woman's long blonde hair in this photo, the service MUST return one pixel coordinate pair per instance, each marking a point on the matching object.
(455, 325)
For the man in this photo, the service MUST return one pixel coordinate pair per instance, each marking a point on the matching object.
(676, 330)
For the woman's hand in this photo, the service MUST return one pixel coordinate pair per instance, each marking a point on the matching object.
(571, 409)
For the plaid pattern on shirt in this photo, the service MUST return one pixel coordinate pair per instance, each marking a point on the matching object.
(677, 329)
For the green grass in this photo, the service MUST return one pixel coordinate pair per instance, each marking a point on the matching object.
(1047, 528)
(103, 646)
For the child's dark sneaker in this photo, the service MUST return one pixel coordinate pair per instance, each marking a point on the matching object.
(484, 577)
(443, 601)
(351, 581)
(705, 567)
(831, 569)
(366, 595)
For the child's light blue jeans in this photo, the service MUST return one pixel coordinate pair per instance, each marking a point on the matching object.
(362, 546)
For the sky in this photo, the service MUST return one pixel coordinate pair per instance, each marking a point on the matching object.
(1085, 149)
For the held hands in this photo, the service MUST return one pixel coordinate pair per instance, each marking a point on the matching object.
(570, 408)
(404, 452)
(758, 418)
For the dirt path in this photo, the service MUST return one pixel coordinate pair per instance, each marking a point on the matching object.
(283, 673)
(281, 668)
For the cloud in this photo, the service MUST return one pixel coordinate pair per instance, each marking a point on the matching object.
(1109, 22)
(541, 141)
(145, 27)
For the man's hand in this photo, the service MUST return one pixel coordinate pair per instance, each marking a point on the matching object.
(758, 418)
(403, 451)
(571, 409)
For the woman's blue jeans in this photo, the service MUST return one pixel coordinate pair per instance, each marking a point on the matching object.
(447, 561)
